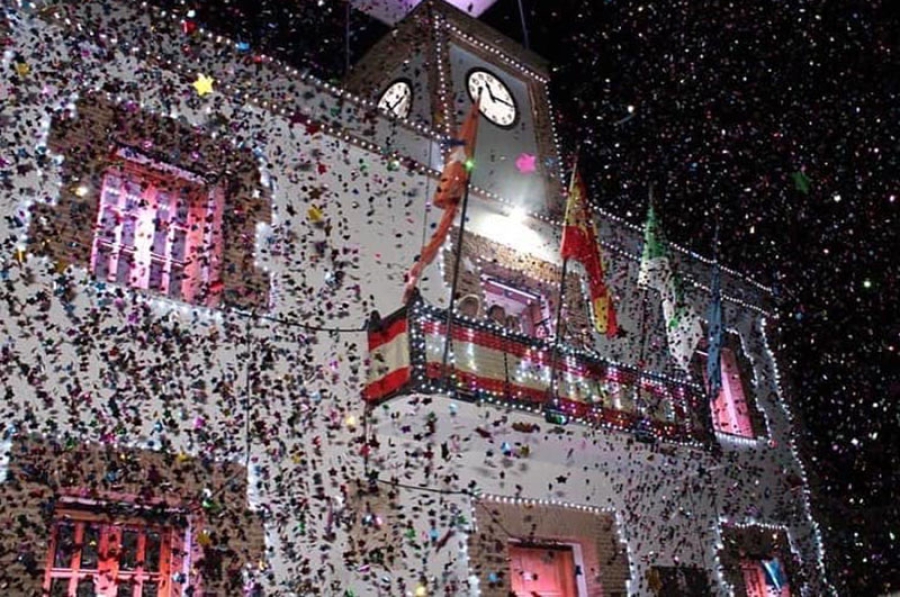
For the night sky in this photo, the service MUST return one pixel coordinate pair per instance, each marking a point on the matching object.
(782, 117)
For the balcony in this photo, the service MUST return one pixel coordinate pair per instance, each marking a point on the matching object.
(491, 364)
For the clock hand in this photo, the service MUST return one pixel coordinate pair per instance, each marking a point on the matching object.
(397, 103)
(497, 99)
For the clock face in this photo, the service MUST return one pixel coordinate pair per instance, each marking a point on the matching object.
(397, 98)
(497, 102)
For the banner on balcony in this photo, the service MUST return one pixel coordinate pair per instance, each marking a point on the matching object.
(487, 362)
(388, 371)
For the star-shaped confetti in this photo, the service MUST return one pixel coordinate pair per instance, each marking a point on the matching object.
(526, 163)
(801, 181)
(203, 85)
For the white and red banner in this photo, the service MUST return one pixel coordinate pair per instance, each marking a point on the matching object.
(389, 360)
(516, 369)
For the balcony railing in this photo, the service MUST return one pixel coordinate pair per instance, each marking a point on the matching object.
(489, 363)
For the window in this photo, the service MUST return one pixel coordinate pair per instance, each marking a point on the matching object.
(92, 555)
(765, 578)
(158, 228)
(546, 570)
(516, 309)
(678, 581)
(730, 409)
(549, 550)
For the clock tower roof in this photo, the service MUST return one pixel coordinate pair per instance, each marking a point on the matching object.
(412, 30)
(392, 12)
(492, 40)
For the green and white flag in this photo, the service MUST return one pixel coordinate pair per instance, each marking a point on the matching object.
(683, 325)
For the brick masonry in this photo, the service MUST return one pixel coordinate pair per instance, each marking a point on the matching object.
(226, 534)
(605, 559)
(88, 140)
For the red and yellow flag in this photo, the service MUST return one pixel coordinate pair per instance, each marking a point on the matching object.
(449, 193)
(579, 242)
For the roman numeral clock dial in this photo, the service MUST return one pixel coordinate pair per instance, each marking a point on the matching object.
(497, 102)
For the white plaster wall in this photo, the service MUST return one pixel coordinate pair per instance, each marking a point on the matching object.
(123, 367)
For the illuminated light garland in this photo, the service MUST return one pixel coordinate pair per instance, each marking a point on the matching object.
(442, 77)
(304, 76)
(805, 492)
(690, 253)
(496, 52)
(730, 438)
(420, 312)
(565, 349)
(520, 501)
(561, 171)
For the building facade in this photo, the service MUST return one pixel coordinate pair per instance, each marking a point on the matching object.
(212, 385)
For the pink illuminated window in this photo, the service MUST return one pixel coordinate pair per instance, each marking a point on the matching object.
(762, 583)
(91, 555)
(730, 411)
(159, 229)
(543, 570)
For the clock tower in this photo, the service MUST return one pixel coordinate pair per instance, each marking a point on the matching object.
(429, 69)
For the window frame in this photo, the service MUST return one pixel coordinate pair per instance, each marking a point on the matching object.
(174, 546)
(195, 209)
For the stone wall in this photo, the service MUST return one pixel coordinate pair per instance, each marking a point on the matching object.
(226, 535)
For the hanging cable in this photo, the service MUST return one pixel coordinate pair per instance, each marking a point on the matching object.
(297, 324)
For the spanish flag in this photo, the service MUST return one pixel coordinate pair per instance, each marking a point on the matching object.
(449, 193)
(579, 242)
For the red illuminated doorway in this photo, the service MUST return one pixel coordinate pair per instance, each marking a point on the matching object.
(544, 570)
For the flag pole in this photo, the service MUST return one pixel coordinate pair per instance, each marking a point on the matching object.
(470, 159)
(554, 352)
(705, 406)
(643, 330)
(455, 280)
(709, 384)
